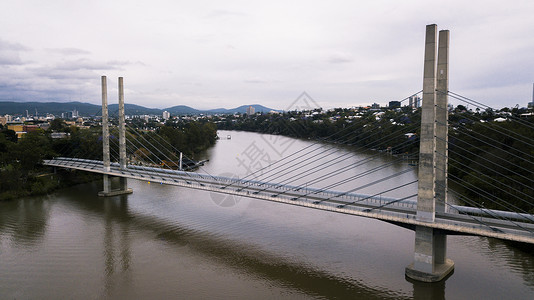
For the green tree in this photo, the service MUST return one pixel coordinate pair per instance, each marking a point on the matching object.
(32, 148)
(58, 124)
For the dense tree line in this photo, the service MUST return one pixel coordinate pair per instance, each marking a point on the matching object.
(21, 159)
(19, 164)
(493, 161)
(371, 129)
(163, 145)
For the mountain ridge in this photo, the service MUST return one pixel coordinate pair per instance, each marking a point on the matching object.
(88, 109)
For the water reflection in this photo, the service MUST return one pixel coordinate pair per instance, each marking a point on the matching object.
(241, 257)
(424, 290)
(24, 221)
(114, 208)
(519, 257)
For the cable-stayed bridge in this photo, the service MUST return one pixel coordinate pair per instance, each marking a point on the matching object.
(458, 219)
(297, 180)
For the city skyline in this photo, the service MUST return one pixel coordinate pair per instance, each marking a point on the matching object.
(208, 54)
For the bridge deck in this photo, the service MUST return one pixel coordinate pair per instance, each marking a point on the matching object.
(382, 208)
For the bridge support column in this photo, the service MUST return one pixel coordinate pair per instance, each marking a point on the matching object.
(108, 191)
(430, 261)
(122, 139)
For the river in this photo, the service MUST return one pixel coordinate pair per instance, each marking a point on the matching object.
(167, 242)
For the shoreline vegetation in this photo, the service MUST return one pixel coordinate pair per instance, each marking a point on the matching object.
(22, 173)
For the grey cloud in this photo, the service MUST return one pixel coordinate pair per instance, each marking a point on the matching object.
(68, 51)
(88, 64)
(9, 58)
(338, 58)
(9, 53)
(57, 73)
(5, 45)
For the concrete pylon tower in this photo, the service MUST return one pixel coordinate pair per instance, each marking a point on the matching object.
(123, 186)
(442, 117)
(430, 262)
(122, 138)
(105, 136)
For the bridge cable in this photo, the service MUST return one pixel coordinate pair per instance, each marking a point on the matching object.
(360, 175)
(485, 194)
(503, 129)
(291, 155)
(343, 170)
(480, 105)
(335, 172)
(492, 163)
(389, 203)
(332, 173)
(453, 150)
(484, 211)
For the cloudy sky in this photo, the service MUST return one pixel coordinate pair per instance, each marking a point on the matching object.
(209, 54)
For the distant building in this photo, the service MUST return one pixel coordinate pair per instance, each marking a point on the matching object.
(417, 102)
(67, 115)
(375, 106)
(250, 110)
(166, 115)
(30, 128)
(44, 126)
(394, 104)
(18, 128)
(59, 135)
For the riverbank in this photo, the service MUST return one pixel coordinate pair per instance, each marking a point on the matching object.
(47, 182)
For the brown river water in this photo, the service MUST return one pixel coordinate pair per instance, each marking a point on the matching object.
(167, 242)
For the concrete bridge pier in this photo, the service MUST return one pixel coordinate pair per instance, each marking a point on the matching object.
(430, 256)
(122, 140)
(123, 188)
(430, 253)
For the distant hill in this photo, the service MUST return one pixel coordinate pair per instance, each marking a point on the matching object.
(241, 109)
(133, 109)
(87, 109)
(186, 110)
(182, 110)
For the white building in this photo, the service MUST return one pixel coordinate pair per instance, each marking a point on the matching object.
(166, 115)
(250, 110)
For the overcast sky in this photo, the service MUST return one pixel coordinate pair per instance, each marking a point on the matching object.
(210, 54)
